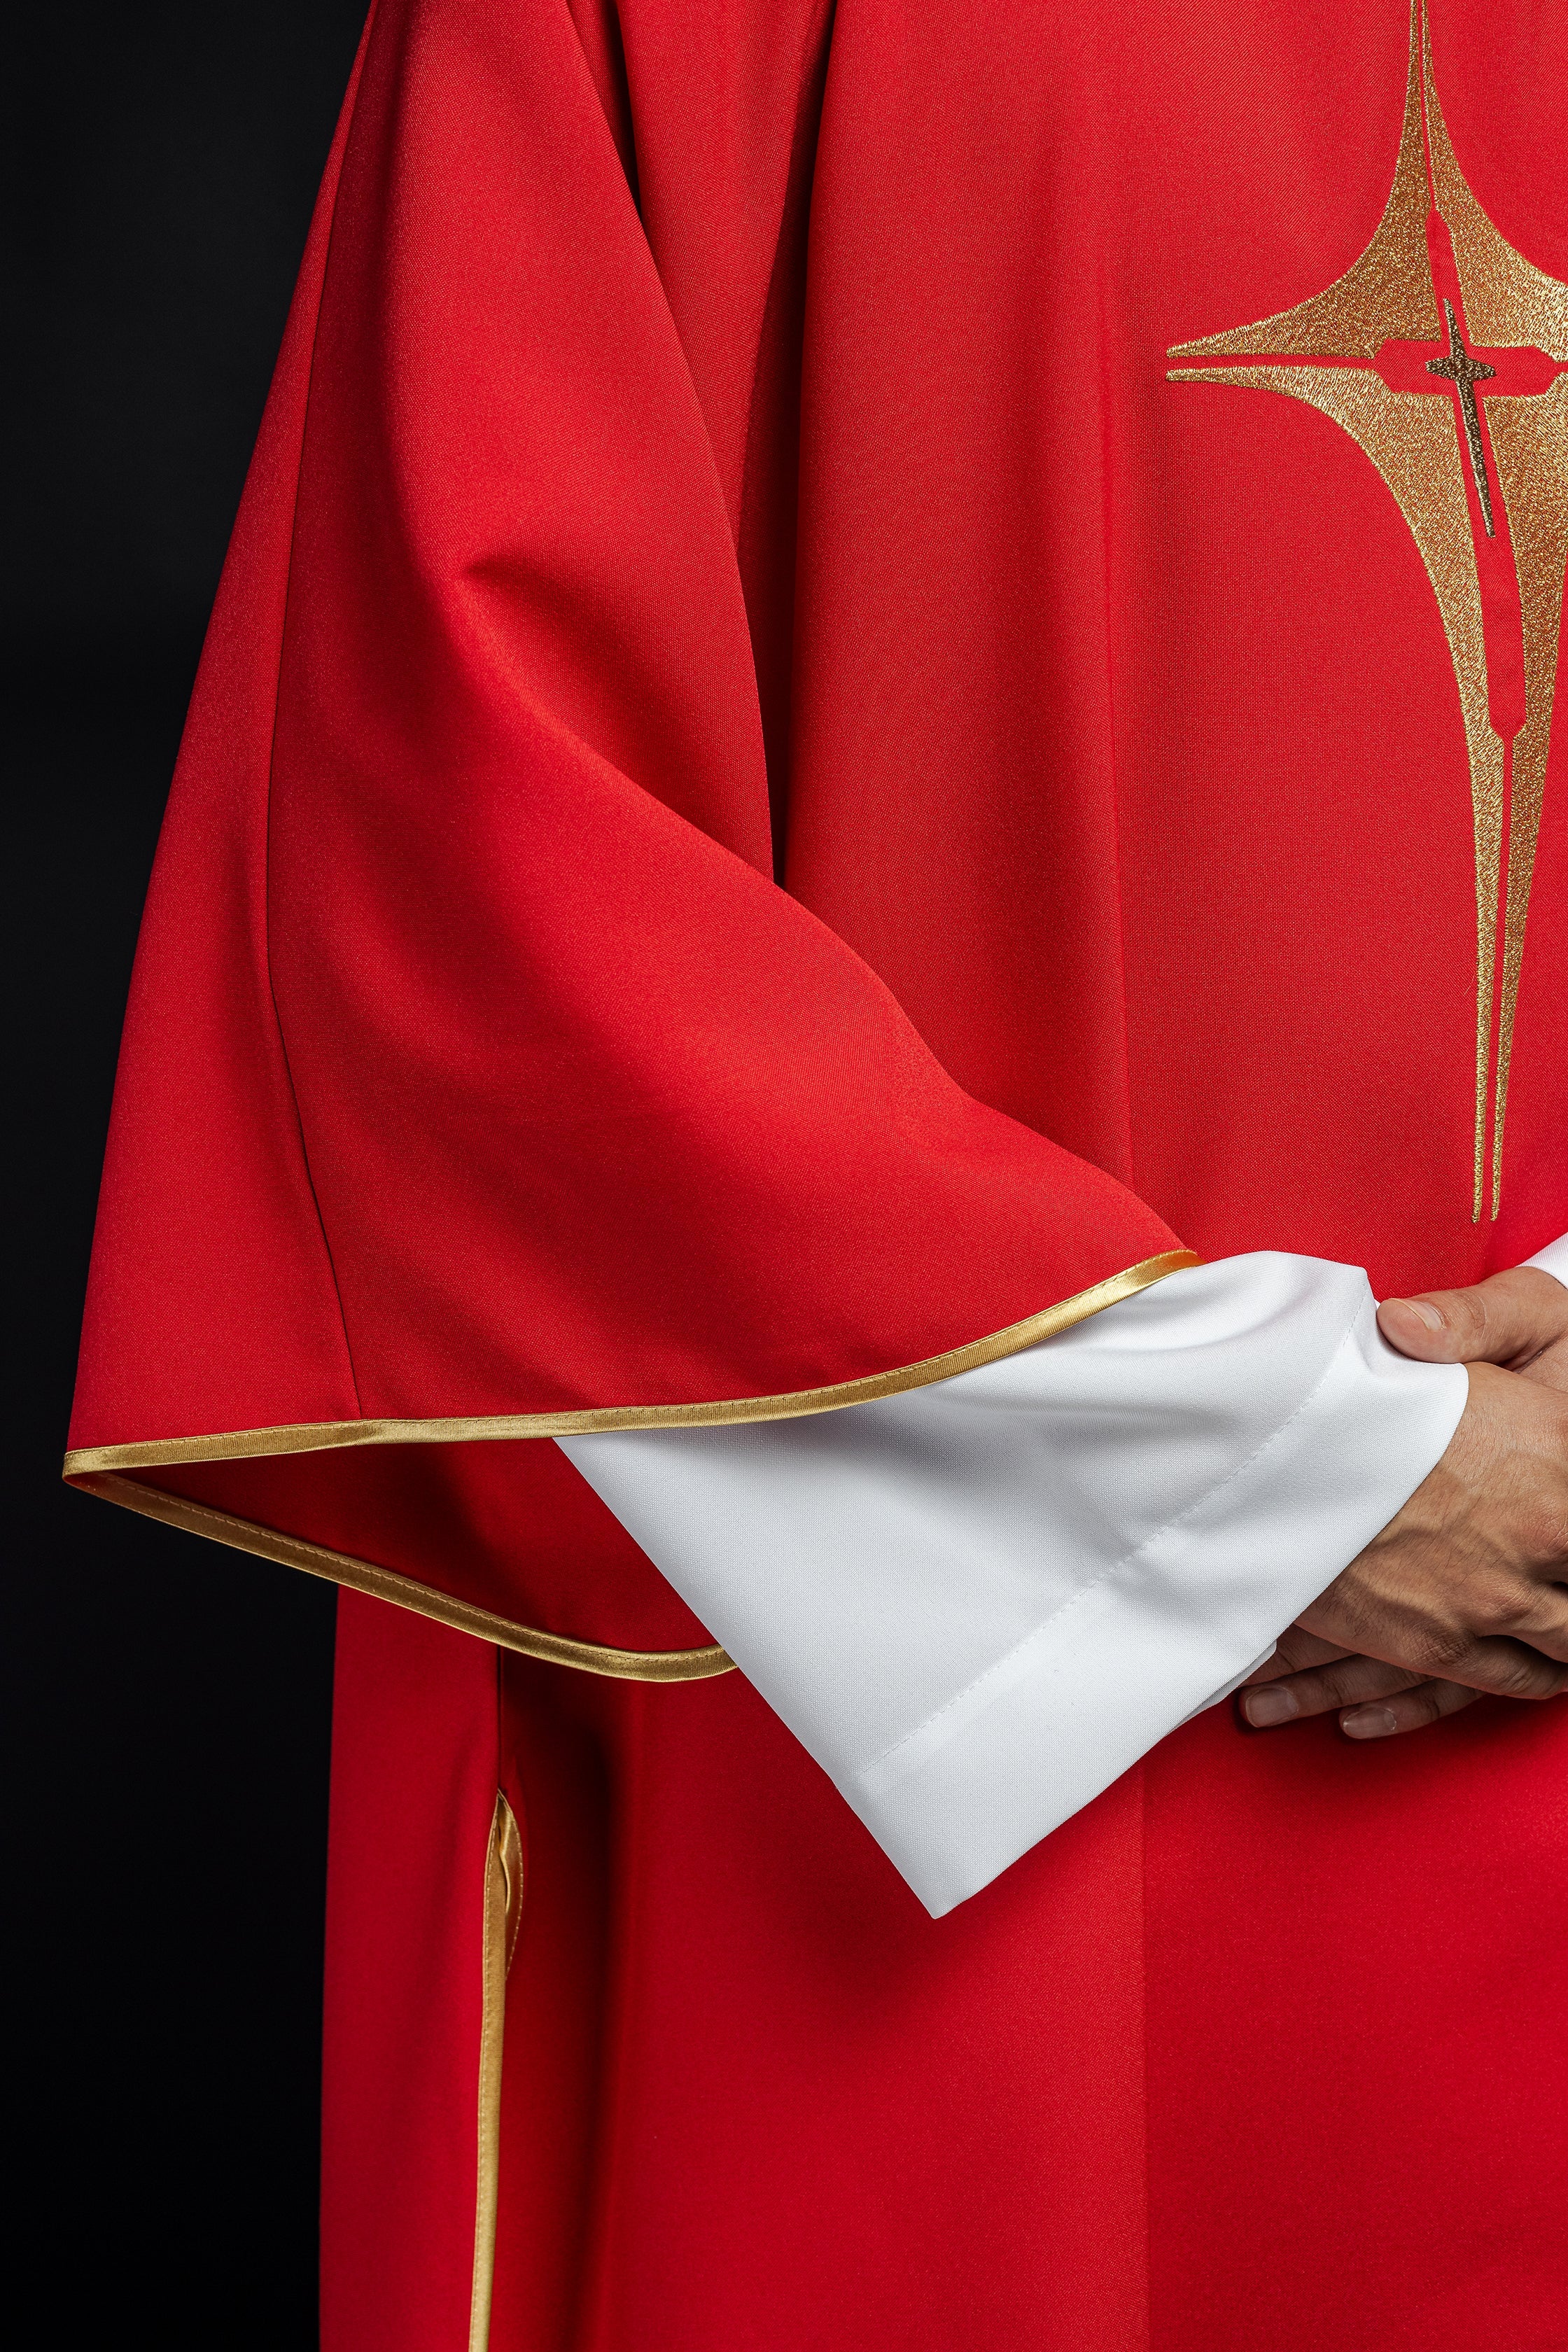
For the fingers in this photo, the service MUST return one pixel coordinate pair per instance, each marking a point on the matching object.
(1296, 1648)
(1510, 1318)
(1406, 1710)
(1515, 1644)
(1319, 1690)
(1508, 1670)
(1375, 1701)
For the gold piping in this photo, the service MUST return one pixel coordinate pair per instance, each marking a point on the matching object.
(504, 1913)
(97, 1469)
(319, 1436)
(404, 1592)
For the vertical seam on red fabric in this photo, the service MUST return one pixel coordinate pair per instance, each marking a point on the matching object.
(501, 1719)
(601, 2283)
(821, 28)
(1130, 1176)
(350, 102)
(813, 62)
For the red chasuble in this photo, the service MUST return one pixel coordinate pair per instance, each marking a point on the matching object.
(883, 668)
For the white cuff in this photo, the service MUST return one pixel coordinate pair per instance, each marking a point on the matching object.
(1552, 1259)
(979, 1603)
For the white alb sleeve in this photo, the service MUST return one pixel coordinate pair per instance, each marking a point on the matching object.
(978, 1602)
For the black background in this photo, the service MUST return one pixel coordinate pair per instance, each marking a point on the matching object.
(172, 1707)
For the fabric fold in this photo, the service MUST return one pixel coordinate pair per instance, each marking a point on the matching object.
(468, 1013)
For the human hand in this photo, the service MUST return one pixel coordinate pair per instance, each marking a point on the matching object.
(1462, 1591)
(1517, 1320)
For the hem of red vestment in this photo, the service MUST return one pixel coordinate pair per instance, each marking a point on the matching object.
(99, 1470)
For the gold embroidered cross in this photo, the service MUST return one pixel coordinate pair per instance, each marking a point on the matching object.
(1441, 304)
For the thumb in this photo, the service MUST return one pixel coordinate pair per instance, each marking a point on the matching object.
(1507, 1319)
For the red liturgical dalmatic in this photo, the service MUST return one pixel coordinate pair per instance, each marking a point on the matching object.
(796, 783)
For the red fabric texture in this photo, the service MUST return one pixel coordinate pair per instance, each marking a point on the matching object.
(719, 449)
(592, 1112)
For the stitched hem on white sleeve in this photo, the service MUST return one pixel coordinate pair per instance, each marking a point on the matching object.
(1072, 1707)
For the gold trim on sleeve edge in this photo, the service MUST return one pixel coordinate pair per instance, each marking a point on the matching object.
(98, 1470)
(320, 1436)
(403, 1591)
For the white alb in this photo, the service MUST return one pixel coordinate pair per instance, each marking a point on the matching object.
(977, 1604)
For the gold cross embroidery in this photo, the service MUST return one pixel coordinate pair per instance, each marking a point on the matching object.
(1444, 353)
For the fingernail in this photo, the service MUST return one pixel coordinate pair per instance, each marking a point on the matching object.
(1369, 1723)
(1433, 1320)
(1265, 1707)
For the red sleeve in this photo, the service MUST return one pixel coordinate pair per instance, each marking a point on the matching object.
(475, 1066)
